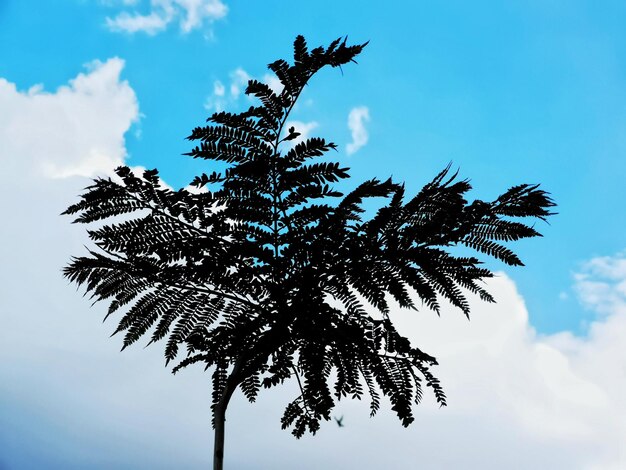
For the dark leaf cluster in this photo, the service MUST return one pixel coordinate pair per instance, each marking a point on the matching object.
(268, 273)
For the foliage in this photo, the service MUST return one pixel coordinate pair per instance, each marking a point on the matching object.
(269, 273)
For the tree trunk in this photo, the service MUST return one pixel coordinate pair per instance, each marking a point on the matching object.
(218, 448)
(220, 416)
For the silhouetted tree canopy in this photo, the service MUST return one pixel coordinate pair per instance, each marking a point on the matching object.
(270, 273)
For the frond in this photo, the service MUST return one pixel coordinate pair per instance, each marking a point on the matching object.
(267, 96)
(251, 386)
(307, 149)
(220, 151)
(102, 200)
(317, 173)
(244, 136)
(493, 249)
(524, 200)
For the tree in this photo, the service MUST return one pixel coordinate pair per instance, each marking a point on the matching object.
(268, 273)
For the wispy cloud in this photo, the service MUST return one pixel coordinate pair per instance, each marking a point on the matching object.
(151, 23)
(601, 284)
(356, 123)
(218, 99)
(191, 14)
(238, 81)
(223, 95)
(230, 94)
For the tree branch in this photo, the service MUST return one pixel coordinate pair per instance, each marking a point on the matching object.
(204, 290)
(306, 408)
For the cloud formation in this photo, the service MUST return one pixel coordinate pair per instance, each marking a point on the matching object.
(502, 375)
(50, 142)
(60, 134)
(226, 95)
(238, 81)
(356, 123)
(601, 284)
(191, 14)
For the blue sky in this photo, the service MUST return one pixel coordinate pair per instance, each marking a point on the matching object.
(509, 92)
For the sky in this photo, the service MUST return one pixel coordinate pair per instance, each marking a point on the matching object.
(508, 92)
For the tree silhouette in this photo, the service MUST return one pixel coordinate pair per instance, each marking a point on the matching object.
(268, 273)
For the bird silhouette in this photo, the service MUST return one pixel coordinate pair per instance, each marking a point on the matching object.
(339, 421)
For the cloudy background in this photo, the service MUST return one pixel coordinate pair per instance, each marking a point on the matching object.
(527, 92)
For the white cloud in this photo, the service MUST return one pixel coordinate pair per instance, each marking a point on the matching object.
(238, 80)
(601, 284)
(52, 365)
(192, 14)
(218, 88)
(356, 123)
(219, 99)
(59, 134)
(150, 24)
(197, 11)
